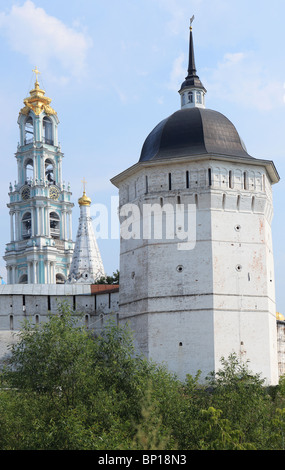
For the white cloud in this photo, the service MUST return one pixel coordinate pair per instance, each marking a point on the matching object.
(242, 79)
(46, 40)
(178, 73)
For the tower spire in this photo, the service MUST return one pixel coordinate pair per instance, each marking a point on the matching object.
(86, 266)
(192, 90)
(191, 64)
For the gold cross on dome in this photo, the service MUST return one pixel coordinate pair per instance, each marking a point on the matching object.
(84, 184)
(36, 72)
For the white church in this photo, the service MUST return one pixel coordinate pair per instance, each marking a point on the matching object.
(190, 296)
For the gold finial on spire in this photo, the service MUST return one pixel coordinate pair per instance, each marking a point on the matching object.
(37, 72)
(84, 200)
(84, 184)
(191, 21)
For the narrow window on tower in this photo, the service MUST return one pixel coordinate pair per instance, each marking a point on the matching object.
(198, 97)
(230, 179)
(210, 176)
(187, 179)
(169, 181)
(146, 184)
(238, 202)
(245, 180)
(190, 97)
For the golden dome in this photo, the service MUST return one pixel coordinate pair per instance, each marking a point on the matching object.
(279, 316)
(84, 200)
(37, 101)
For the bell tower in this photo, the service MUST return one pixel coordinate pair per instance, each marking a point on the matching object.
(40, 248)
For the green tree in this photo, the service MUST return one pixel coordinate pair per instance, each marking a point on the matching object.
(114, 279)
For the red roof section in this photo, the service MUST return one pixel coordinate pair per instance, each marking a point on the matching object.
(104, 288)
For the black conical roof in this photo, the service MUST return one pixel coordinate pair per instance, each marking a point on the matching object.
(192, 79)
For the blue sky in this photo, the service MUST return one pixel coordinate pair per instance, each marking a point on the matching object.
(113, 70)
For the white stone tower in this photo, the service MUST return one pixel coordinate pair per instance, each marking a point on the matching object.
(191, 303)
(86, 266)
(41, 247)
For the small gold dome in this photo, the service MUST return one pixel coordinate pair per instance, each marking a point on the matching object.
(279, 316)
(84, 200)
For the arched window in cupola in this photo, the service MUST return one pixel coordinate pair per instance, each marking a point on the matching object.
(49, 171)
(59, 278)
(27, 225)
(47, 131)
(54, 225)
(29, 131)
(23, 279)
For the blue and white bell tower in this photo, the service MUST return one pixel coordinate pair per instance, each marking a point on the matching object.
(41, 246)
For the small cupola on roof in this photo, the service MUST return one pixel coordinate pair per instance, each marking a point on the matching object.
(192, 91)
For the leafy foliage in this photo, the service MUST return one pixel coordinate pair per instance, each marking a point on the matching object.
(65, 388)
(114, 279)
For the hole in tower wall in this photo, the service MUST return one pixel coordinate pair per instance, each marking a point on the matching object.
(169, 181)
(179, 268)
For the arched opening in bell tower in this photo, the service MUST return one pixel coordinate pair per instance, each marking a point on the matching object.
(29, 170)
(54, 223)
(29, 131)
(27, 225)
(47, 131)
(49, 171)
